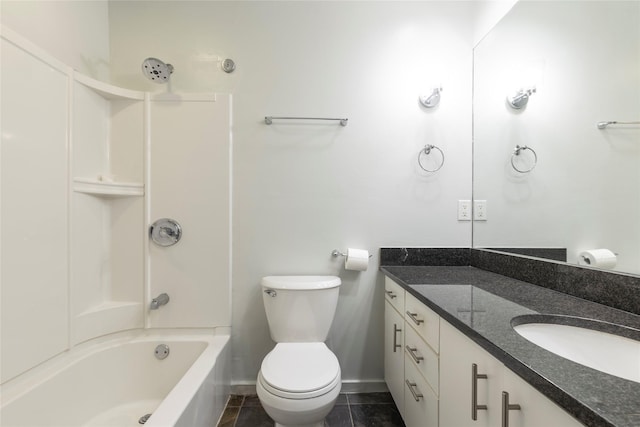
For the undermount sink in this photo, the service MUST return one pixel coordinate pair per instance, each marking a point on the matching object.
(606, 347)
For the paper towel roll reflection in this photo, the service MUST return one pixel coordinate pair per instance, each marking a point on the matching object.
(356, 259)
(601, 258)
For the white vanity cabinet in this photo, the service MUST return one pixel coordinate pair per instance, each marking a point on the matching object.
(476, 389)
(440, 377)
(411, 356)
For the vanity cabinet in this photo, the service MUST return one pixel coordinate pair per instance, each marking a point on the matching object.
(411, 356)
(440, 377)
(476, 389)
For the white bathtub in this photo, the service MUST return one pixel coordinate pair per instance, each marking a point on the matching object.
(112, 382)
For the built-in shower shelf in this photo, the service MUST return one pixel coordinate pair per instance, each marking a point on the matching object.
(108, 91)
(98, 187)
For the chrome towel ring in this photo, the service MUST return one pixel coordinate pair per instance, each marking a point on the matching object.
(516, 152)
(427, 151)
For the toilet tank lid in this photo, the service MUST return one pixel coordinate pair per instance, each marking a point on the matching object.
(301, 282)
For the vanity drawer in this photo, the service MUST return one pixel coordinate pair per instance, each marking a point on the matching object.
(394, 294)
(422, 357)
(420, 403)
(424, 320)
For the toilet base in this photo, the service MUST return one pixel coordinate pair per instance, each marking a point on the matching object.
(297, 412)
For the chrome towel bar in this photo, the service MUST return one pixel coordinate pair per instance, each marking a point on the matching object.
(269, 119)
(603, 125)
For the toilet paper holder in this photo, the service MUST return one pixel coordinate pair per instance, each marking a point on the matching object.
(336, 253)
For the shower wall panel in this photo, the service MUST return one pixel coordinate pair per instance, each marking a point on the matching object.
(34, 199)
(189, 182)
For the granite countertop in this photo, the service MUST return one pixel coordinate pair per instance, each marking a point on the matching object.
(482, 304)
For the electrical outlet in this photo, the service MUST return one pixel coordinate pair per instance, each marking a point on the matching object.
(480, 210)
(464, 210)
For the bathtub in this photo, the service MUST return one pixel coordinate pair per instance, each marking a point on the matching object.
(114, 381)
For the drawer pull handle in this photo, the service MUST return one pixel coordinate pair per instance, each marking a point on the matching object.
(416, 395)
(475, 376)
(412, 353)
(391, 294)
(506, 407)
(413, 317)
(395, 337)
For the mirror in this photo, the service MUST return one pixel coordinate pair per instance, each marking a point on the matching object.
(550, 176)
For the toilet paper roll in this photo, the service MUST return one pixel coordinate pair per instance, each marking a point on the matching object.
(356, 259)
(601, 258)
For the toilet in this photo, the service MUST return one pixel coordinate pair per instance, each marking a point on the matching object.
(299, 380)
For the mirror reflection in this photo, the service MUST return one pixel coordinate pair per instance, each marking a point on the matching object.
(551, 168)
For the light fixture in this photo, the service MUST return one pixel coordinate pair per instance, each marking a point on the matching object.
(431, 100)
(520, 98)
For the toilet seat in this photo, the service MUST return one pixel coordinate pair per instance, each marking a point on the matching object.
(300, 370)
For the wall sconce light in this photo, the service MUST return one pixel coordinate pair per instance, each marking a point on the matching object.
(519, 100)
(431, 100)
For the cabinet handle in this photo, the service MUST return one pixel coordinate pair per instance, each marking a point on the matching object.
(475, 376)
(416, 395)
(412, 353)
(414, 318)
(506, 407)
(395, 337)
(391, 294)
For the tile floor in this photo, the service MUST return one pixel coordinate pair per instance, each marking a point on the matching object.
(351, 410)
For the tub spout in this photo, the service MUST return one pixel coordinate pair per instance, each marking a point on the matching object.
(161, 299)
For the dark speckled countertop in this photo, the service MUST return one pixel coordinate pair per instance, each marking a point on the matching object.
(482, 304)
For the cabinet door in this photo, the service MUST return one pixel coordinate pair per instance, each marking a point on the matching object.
(535, 409)
(458, 354)
(394, 354)
(459, 405)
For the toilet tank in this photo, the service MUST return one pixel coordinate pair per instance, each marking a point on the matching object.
(300, 308)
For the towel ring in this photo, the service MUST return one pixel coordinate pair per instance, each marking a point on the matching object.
(516, 152)
(426, 151)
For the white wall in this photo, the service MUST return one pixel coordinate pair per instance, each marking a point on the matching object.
(74, 32)
(301, 190)
(585, 190)
(488, 13)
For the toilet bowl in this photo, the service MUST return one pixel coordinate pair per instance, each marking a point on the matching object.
(300, 379)
(298, 384)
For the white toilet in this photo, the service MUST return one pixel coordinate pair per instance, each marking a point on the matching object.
(299, 380)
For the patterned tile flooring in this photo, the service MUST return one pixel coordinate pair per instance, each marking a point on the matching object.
(351, 410)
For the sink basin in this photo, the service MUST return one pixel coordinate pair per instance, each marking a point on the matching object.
(606, 347)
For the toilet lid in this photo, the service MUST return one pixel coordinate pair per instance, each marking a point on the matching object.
(300, 367)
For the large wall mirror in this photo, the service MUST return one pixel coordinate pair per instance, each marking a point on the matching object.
(554, 172)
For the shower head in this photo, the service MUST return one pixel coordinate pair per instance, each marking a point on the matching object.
(156, 70)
